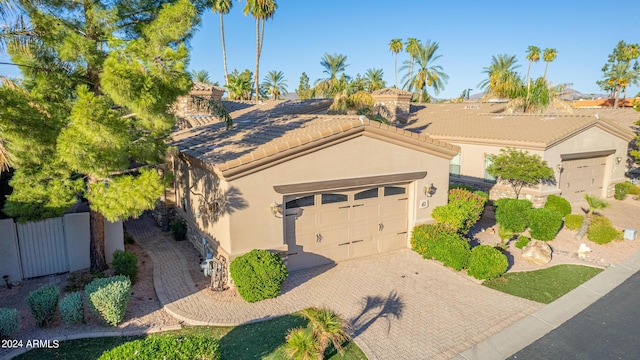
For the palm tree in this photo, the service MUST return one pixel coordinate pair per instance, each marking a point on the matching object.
(275, 84)
(427, 75)
(395, 45)
(261, 10)
(333, 65)
(240, 86)
(533, 55)
(411, 47)
(595, 203)
(538, 96)
(201, 76)
(548, 55)
(222, 7)
(301, 345)
(373, 79)
(502, 80)
(326, 327)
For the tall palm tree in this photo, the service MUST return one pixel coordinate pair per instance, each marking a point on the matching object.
(261, 10)
(502, 80)
(201, 76)
(373, 79)
(395, 45)
(533, 55)
(333, 65)
(427, 75)
(548, 55)
(222, 7)
(275, 84)
(595, 203)
(411, 47)
(326, 327)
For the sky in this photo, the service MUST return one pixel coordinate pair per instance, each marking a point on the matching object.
(469, 33)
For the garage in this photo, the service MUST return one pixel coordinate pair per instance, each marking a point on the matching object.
(582, 176)
(332, 226)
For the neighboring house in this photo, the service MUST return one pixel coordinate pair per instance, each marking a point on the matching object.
(586, 149)
(316, 188)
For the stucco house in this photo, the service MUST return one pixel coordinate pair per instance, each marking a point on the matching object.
(315, 188)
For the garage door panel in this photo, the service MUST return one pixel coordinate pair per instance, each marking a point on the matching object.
(392, 242)
(360, 248)
(582, 176)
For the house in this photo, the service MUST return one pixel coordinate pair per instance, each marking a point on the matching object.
(316, 188)
(587, 149)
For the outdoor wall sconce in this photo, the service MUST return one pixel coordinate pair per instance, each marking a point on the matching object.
(276, 209)
(560, 167)
(430, 190)
(198, 215)
(618, 160)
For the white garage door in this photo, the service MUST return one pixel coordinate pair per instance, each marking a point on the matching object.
(582, 176)
(328, 227)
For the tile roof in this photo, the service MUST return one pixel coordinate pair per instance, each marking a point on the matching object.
(199, 86)
(490, 124)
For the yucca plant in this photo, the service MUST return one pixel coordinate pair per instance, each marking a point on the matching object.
(301, 345)
(595, 203)
(326, 327)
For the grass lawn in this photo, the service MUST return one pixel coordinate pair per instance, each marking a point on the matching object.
(261, 340)
(544, 285)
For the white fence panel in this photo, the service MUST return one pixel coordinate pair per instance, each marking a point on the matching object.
(9, 254)
(43, 248)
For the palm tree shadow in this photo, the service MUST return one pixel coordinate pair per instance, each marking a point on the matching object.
(376, 307)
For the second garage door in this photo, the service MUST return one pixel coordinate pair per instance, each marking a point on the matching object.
(582, 176)
(328, 227)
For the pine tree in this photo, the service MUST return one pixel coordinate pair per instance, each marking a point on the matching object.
(304, 89)
(90, 117)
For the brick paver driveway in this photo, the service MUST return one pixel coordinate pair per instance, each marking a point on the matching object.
(401, 306)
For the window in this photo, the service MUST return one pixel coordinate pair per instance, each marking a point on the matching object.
(300, 202)
(488, 177)
(454, 166)
(394, 190)
(367, 194)
(333, 198)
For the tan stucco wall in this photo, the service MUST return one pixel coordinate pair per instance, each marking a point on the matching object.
(255, 226)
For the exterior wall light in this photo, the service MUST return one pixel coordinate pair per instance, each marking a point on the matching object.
(560, 167)
(276, 209)
(618, 160)
(430, 190)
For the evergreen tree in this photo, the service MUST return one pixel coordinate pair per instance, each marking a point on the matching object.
(90, 116)
(304, 89)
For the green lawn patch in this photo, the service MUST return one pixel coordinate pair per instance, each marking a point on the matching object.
(544, 285)
(262, 340)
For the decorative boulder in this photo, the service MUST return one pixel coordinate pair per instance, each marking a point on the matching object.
(537, 252)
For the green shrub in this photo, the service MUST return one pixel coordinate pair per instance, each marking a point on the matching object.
(462, 187)
(633, 189)
(482, 194)
(128, 239)
(71, 309)
(504, 233)
(43, 303)
(167, 347)
(602, 234)
(437, 242)
(178, 229)
(559, 204)
(487, 263)
(513, 214)
(9, 322)
(600, 220)
(522, 242)
(544, 223)
(126, 263)
(622, 189)
(258, 275)
(462, 211)
(109, 297)
(573, 221)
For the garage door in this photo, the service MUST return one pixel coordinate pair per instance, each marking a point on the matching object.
(582, 176)
(329, 227)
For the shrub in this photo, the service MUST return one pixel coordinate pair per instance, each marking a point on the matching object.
(559, 204)
(168, 347)
(9, 322)
(633, 189)
(573, 221)
(602, 234)
(600, 220)
(128, 239)
(544, 223)
(109, 297)
(178, 229)
(126, 263)
(78, 280)
(462, 211)
(440, 243)
(513, 214)
(522, 242)
(482, 194)
(43, 303)
(622, 189)
(258, 275)
(504, 233)
(462, 187)
(487, 263)
(71, 308)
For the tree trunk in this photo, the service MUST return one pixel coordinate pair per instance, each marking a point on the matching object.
(224, 52)
(395, 68)
(615, 98)
(544, 77)
(583, 228)
(257, 58)
(96, 247)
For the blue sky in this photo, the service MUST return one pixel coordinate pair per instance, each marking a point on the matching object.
(469, 33)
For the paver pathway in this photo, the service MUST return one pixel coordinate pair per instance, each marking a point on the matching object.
(401, 306)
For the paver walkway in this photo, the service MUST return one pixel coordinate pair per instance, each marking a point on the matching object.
(401, 306)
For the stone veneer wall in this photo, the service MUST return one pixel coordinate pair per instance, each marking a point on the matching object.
(393, 110)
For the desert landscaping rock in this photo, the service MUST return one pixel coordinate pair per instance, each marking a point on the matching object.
(537, 252)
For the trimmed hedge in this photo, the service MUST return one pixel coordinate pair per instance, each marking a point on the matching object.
(9, 322)
(109, 297)
(622, 190)
(258, 275)
(43, 302)
(167, 347)
(440, 243)
(71, 309)
(573, 221)
(125, 263)
(559, 204)
(487, 262)
(544, 223)
(522, 242)
(462, 212)
(513, 214)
